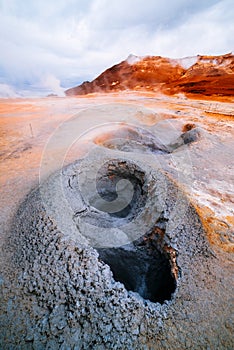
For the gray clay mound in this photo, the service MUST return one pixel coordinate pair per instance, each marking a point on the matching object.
(141, 277)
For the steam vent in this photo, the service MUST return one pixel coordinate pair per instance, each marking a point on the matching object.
(109, 252)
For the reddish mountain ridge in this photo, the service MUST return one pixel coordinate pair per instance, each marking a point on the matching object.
(198, 75)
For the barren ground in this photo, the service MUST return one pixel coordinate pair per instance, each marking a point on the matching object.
(26, 126)
(204, 168)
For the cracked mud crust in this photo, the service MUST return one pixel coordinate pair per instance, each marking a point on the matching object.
(59, 293)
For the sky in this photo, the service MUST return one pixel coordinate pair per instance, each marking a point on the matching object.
(49, 45)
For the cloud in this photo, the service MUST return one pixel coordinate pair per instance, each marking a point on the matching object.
(76, 40)
(123, 14)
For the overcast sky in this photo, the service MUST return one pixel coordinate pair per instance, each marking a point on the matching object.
(45, 42)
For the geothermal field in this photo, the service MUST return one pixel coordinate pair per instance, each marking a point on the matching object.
(117, 211)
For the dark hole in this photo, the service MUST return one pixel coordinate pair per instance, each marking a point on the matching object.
(140, 266)
(107, 180)
(141, 271)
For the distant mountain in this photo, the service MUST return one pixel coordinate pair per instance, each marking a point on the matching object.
(204, 75)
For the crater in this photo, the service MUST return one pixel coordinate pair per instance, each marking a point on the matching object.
(143, 264)
(131, 139)
(143, 267)
(121, 190)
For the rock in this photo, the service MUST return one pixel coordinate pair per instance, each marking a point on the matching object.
(207, 75)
